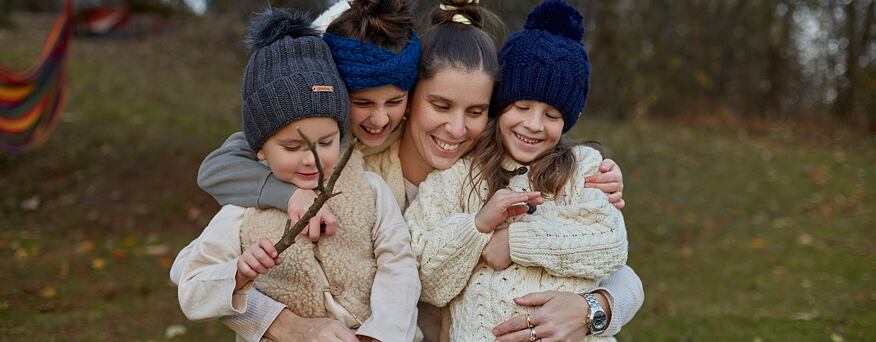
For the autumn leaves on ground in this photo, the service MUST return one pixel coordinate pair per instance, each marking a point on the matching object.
(738, 234)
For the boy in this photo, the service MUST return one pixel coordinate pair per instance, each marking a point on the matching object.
(365, 276)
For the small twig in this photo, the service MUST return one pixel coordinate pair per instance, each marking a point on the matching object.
(324, 195)
(312, 146)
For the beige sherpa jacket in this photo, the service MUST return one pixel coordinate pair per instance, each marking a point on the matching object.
(387, 313)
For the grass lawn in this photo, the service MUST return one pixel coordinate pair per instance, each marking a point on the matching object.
(737, 234)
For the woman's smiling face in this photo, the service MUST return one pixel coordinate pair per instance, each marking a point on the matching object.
(448, 112)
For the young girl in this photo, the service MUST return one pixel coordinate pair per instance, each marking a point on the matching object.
(514, 217)
(364, 277)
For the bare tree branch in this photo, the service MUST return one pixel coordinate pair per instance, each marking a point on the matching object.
(325, 193)
(312, 146)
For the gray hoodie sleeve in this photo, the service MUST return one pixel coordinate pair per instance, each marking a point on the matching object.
(232, 174)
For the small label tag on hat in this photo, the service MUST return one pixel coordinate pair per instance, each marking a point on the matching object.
(322, 89)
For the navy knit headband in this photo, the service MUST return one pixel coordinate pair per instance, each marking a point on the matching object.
(365, 65)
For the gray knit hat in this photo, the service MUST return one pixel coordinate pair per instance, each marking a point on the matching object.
(290, 76)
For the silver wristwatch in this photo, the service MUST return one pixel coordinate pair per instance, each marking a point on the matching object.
(597, 320)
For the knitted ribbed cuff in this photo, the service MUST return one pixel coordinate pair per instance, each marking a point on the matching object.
(521, 244)
(238, 298)
(275, 193)
(252, 324)
(471, 237)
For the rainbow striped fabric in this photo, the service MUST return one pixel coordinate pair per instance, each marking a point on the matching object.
(31, 102)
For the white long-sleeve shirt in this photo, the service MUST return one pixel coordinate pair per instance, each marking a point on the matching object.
(207, 279)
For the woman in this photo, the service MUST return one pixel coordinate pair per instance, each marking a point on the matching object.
(447, 112)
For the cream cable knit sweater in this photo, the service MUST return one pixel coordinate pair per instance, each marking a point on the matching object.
(568, 244)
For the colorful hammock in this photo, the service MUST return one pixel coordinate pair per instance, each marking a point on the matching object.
(31, 102)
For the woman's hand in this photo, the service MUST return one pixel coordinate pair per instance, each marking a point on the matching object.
(503, 205)
(291, 327)
(497, 253)
(561, 317)
(610, 181)
(324, 218)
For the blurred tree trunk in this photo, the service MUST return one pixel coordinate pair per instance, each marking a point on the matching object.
(868, 30)
(5, 13)
(847, 97)
(778, 63)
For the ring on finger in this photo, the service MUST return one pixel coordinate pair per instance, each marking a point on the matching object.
(532, 336)
(528, 322)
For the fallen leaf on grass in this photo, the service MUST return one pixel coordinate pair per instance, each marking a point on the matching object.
(65, 269)
(129, 241)
(166, 262)
(826, 210)
(47, 307)
(194, 212)
(31, 204)
(758, 243)
(686, 252)
(805, 316)
(804, 239)
(84, 246)
(98, 264)
(834, 337)
(118, 253)
(48, 292)
(690, 217)
(67, 200)
(156, 250)
(174, 331)
(21, 254)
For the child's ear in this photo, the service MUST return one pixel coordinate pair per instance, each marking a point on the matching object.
(261, 154)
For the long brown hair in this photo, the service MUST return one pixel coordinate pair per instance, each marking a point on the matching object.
(385, 23)
(548, 173)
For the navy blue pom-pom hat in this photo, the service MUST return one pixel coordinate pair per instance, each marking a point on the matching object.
(290, 76)
(546, 62)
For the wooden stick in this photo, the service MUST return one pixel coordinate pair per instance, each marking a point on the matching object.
(325, 193)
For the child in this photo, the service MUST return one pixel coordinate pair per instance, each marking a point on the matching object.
(365, 275)
(377, 53)
(477, 246)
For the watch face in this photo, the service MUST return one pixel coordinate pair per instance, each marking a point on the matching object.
(599, 320)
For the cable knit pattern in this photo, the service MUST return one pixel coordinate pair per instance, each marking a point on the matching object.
(550, 248)
(553, 237)
(365, 65)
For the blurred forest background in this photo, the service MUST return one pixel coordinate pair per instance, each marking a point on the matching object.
(812, 60)
(745, 130)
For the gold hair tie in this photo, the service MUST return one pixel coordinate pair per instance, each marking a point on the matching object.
(457, 18)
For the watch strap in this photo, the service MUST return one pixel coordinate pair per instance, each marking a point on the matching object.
(594, 308)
